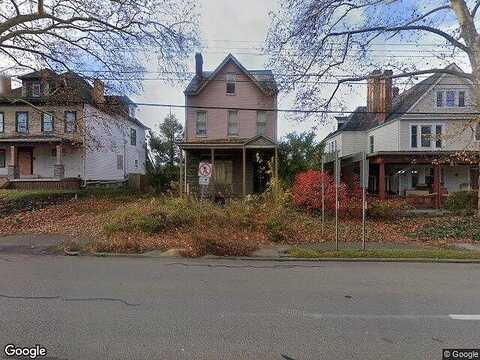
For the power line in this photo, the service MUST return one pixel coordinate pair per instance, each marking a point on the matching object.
(298, 110)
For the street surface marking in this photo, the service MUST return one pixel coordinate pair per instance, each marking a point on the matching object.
(464, 317)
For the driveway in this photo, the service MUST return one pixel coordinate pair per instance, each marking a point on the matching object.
(139, 308)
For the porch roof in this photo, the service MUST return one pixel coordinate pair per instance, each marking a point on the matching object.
(259, 141)
(35, 139)
(419, 157)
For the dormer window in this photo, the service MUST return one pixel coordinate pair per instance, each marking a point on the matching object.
(36, 89)
(450, 98)
(230, 80)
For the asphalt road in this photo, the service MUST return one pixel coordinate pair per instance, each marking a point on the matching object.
(137, 308)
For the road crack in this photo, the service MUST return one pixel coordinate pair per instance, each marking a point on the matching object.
(66, 299)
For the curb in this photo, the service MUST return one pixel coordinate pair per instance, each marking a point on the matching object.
(293, 259)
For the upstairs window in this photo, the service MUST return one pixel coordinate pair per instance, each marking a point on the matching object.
(450, 98)
(21, 121)
(439, 98)
(47, 122)
(230, 79)
(232, 123)
(35, 89)
(461, 99)
(438, 136)
(372, 143)
(70, 121)
(2, 122)
(133, 137)
(414, 136)
(426, 132)
(261, 122)
(201, 123)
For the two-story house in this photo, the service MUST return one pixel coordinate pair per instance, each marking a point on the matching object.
(58, 131)
(231, 122)
(422, 141)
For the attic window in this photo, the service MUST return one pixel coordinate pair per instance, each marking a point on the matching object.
(36, 89)
(230, 80)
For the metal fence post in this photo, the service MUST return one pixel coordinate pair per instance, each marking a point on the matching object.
(323, 194)
(337, 184)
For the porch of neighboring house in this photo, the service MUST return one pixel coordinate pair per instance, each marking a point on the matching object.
(52, 164)
(240, 167)
(421, 178)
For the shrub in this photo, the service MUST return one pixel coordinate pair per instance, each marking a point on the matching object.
(462, 201)
(388, 209)
(307, 193)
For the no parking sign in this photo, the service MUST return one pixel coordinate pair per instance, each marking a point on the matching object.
(205, 169)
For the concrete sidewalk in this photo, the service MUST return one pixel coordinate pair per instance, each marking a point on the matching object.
(32, 244)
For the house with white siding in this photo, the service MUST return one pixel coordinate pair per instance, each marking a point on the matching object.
(58, 131)
(423, 141)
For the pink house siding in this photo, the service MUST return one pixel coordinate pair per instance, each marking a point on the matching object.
(247, 95)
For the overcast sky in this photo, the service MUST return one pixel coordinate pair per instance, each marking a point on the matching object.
(239, 27)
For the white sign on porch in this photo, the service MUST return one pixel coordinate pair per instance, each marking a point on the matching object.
(205, 169)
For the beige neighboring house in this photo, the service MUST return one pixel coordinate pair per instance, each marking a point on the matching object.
(58, 131)
(412, 139)
(231, 122)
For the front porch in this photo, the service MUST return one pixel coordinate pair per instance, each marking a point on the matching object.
(424, 178)
(240, 166)
(38, 164)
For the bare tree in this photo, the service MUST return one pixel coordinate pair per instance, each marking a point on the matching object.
(105, 39)
(312, 42)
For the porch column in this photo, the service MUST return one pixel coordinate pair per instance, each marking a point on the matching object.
(381, 179)
(59, 169)
(186, 171)
(276, 163)
(12, 168)
(437, 186)
(212, 161)
(244, 169)
(180, 165)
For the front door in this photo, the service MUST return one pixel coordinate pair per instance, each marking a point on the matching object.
(25, 161)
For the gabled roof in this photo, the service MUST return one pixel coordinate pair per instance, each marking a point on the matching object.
(401, 104)
(263, 79)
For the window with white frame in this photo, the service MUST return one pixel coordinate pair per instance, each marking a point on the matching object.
(47, 122)
(426, 136)
(119, 162)
(2, 122)
(201, 123)
(21, 121)
(438, 136)
(414, 136)
(230, 81)
(70, 121)
(261, 122)
(232, 123)
(332, 146)
(36, 89)
(451, 98)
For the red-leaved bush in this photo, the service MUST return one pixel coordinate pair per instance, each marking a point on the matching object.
(307, 193)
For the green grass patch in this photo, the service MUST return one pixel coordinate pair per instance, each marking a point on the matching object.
(25, 195)
(388, 254)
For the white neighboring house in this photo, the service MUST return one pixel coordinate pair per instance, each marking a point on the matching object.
(58, 131)
(412, 139)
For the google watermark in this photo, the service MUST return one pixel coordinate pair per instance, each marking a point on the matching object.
(453, 354)
(33, 352)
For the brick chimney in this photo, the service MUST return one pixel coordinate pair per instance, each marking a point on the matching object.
(5, 86)
(98, 92)
(199, 65)
(379, 94)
